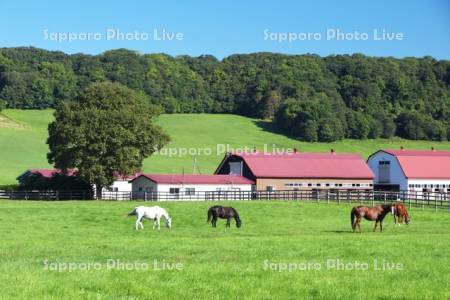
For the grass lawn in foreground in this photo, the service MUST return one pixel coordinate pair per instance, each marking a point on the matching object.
(219, 262)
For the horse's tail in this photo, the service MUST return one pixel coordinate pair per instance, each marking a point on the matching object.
(352, 218)
(210, 214)
(133, 212)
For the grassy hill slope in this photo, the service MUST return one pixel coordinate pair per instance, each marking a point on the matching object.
(23, 135)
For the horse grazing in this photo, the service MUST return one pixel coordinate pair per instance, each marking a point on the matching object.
(222, 212)
(376, 213)
(154, 213)
(399, 211)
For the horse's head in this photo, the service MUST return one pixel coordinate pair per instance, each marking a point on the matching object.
(238, 223)
(407, 219)
(169, 222)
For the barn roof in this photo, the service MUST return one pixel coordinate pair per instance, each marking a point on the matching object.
(196, 179)
(307, 165)
(49, 173)
(423, 164)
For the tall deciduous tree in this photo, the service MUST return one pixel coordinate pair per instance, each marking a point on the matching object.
(108, 130)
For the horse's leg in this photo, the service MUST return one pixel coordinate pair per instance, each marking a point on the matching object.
(228, 222)
(214, 220)
(139, 221)
(375, 228)
(359, 224)
(381, 225)
(158, 222)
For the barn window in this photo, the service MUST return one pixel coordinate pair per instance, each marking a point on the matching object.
(190, 191)
(236, 168)
(384, 171)
(174, 191)
(270, 188)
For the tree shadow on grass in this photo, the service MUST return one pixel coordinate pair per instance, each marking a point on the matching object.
(270, 127)
(339, 231)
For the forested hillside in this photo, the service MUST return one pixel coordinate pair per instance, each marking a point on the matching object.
(307, 97)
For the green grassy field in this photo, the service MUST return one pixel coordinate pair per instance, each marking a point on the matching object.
(23, 135)
(218, 263)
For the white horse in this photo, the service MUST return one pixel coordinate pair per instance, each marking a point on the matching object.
(154, 213)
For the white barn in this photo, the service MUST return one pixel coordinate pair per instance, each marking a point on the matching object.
(120, 189)
(414, 171)
(188, 187)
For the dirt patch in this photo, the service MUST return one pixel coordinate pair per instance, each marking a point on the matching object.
(6, 122)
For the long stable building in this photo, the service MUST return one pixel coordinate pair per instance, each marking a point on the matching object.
(415, 171)
(300, 171)
(195, 187)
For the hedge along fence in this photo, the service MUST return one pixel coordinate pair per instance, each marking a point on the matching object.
(436, 200)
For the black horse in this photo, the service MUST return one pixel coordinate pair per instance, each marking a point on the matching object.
(222, 212)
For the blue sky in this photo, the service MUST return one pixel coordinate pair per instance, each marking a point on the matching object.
(222, 28)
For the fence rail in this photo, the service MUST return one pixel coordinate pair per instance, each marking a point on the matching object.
(437, 200)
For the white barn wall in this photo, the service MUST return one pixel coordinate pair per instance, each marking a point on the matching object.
(205, 187)
(120, 185)
(396, 173)
(442, 184)
(143, 184)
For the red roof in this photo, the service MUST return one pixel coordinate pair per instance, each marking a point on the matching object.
(48, 173)
(308, 165)
(197, 179)
(423, 164)
(119, 176)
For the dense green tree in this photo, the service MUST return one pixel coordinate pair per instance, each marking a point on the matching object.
(107, 130)
(358, 125)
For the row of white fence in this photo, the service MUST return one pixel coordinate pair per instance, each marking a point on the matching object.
(432, 199)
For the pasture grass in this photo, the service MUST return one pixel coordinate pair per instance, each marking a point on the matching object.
(218, 263)
(23, 135)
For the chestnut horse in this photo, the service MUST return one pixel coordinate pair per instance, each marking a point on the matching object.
(399, 211)
(376, 213)
(223, 212)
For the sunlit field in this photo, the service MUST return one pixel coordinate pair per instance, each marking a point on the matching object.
(283, 250)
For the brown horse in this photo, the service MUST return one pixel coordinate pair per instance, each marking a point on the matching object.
(223, 212)
(376, 213)
(399, 211)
